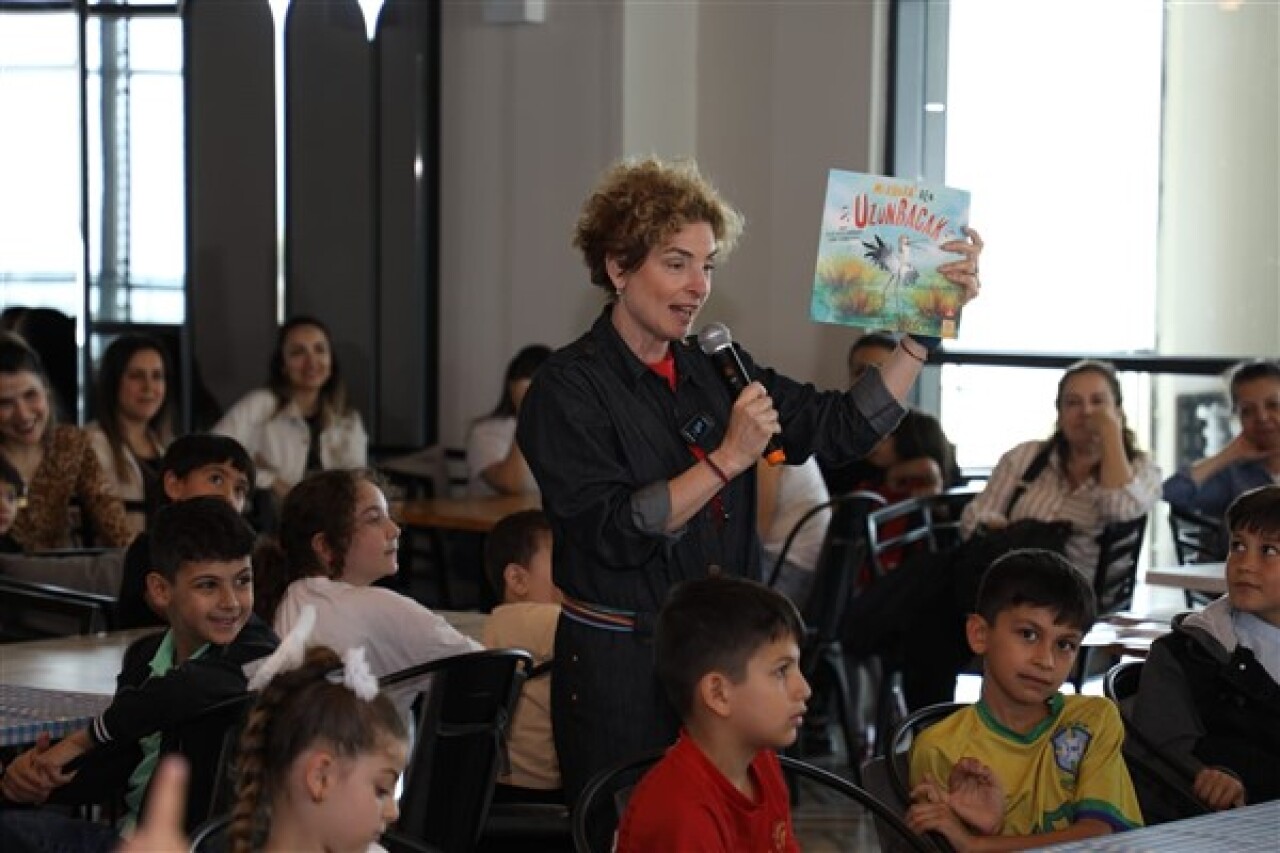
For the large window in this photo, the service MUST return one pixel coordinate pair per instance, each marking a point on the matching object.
(92, 190)
(41, 252)
(1052, 121)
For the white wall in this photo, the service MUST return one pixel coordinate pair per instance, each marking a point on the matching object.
(767, 97)
(1220, 203)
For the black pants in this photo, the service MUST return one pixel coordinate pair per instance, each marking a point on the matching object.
(606, 703)
(912, 619)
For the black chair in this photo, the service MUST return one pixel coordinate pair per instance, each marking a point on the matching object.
(461, 719)
(1164, 787)
(211, 837)
(1114, 578)
(903, 529)
(841, 558)
(208, 741)
(602, 802)
(30, 610)
(898, 754)
(1116, 572)
(1197, 538)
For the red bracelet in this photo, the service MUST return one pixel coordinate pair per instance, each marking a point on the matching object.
(714, 467)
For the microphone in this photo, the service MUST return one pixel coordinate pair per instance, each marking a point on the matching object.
(715, 341)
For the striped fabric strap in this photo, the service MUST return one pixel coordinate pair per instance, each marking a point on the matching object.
(598, 616)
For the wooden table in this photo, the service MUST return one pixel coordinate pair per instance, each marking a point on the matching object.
(1246, 830)
(1125, 634)
(469, 623)
(474, 515)
(58, 686)
(1200, 577)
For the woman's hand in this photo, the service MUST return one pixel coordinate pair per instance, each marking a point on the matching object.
(1105, 424)
(1241, 449)
(964, 272)
(751, 424)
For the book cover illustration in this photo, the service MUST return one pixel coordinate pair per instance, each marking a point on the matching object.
(879, 252)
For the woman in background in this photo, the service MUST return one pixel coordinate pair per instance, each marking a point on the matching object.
(1089, 472)
(494, 460)
(55, 461)
(301, 423)
(135, 421)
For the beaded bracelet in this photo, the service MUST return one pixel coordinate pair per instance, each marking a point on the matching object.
(716, 468)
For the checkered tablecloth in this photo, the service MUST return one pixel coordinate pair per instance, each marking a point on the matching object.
(25, 712)
(1253, 828)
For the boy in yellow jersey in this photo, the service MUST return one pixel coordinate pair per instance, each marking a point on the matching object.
(1026, 766)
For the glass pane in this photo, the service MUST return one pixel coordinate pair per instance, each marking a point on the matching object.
(991, 409)
(41, 252)
(1062, 155)
(136, 212)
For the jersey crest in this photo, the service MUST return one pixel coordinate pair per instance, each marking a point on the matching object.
(1069, 746)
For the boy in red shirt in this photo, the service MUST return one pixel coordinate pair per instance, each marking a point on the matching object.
(727, 653)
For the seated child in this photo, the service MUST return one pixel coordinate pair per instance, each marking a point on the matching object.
(193, 465)
(12, 493)
(203, 579)
(517, 562)
(727, 653)
(336, 540)
(320, 756)
(1026, 766)
(1209, 698)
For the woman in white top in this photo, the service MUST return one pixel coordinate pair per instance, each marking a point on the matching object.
(301, 422)
(336, 539)
(134, 421)
(1095, 473)
(494, 460)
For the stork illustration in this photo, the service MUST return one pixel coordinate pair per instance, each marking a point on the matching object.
(897, 263)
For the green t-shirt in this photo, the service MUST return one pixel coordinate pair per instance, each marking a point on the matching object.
(161, 663)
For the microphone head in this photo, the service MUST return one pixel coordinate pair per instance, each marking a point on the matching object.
(714, 337)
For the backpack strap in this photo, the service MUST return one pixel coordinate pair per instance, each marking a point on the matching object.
(1038, 463)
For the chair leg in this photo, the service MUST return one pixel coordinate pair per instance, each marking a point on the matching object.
(833, 660)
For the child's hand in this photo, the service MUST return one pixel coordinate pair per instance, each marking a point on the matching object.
(56, 757)
(26, 779)
(938, 817)
(976, 796)
(1218, 790)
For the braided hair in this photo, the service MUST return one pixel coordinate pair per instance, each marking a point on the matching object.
(296, 709)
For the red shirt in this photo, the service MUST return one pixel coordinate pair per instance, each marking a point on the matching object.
(685, 804)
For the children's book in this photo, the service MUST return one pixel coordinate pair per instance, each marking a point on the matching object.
(879, 252)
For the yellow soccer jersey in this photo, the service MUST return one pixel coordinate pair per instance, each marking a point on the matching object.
(1068, 768)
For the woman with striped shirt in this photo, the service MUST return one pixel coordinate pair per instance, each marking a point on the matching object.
(1095, 473)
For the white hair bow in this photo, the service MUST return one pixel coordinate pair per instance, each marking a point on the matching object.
(291, 652)
(356, 675)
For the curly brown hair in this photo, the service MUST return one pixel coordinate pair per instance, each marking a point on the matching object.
(640, 204)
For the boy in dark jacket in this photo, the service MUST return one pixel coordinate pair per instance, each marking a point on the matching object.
(1209, 698)
(203, 580)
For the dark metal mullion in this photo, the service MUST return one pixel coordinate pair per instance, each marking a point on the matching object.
(86, 361)
(186, 346)
(427, 198)
(375, 226)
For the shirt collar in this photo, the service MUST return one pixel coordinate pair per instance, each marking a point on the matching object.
(626, 363)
